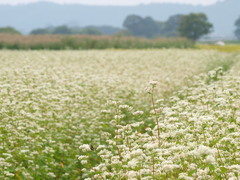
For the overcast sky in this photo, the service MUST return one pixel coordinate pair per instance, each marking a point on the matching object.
(114, 2)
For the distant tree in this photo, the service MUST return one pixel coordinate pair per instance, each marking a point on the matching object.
(76, 30)
(90, 31)
(139, 26)
(108, 30)
(171, 26)
(161, 27)
(40, 31)
(151, 27)
(237, 31)
(193, 26)
(62, 30)
(134, 24)
(9, 30)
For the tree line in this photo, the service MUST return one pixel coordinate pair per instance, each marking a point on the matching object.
(192, 26)
(88, 30)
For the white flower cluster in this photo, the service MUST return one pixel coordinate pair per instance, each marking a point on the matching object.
(199, 137)
(85, 147)
(53, 102)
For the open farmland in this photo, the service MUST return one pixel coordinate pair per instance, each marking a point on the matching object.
(93, 114)
(63, 42)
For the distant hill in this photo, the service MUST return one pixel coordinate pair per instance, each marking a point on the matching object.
(26, 17)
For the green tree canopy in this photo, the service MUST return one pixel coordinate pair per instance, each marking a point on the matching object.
(139, 26)
(171, 26)
(194, 25)
(237, 31)
(9, 30)
(62, 30)
(40, 31)
(90, 31)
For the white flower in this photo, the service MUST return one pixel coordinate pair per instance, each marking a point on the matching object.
(205, 150)
(153, 83)
(8, 173)
(131, 174)
(145, 171)
(119, 116)
(85, 147)
(137, 113)
(137, 152)
(133, 163)
(105, 111)
(238, 120)
(52, 175)
(234, 167)
(210, 159)
(127, 107)
(150, 145)
(82, 157)
(84, 162)
(148, 89)
(184, 176)
(137, 124)
(170, 167)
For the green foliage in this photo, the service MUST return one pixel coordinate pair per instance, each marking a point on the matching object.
(90, 31)
(61, 30)
(138, 26)
(9, 30)
(161, 27)
(171, 26)
(59, 42)
(191, 26)
(40, 31)
(237, 31)
(106, 30)
(194, 25)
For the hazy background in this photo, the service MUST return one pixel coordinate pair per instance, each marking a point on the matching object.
(26, 15)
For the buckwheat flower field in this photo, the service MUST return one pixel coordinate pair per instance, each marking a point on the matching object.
(119, 114)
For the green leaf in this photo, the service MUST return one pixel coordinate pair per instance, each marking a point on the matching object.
(223, 169)
(212, 167)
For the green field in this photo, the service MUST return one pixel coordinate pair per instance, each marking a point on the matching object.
(230, 48)
(77, 42)
(119, 114)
